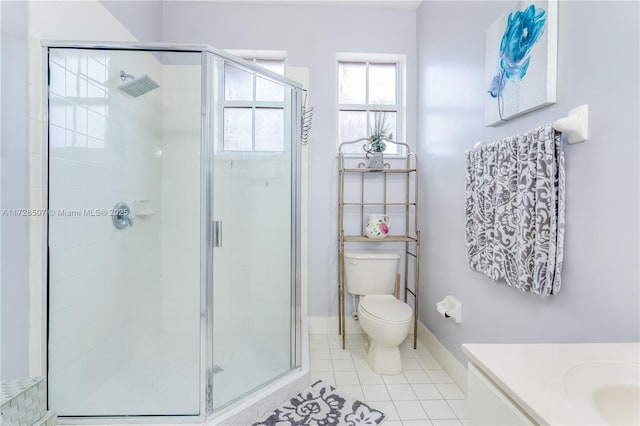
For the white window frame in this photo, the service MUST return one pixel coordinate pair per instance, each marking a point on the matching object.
(253, 56)
(399, 108)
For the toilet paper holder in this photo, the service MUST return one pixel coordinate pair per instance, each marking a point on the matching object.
(450, 307)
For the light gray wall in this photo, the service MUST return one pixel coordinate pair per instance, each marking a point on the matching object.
(311, 35)
(598, 55)
(14, 272)
(142, 18)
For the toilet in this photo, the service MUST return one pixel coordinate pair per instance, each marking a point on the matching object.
(385, 319)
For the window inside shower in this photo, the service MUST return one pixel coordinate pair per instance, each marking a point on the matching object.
(253, 108)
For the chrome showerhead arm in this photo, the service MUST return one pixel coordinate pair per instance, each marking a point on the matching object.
(124, 76)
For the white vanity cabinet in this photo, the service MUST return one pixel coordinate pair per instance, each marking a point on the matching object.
(489, 405)
(569, 384)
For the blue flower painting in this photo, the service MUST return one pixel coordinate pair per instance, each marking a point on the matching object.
(520, 34)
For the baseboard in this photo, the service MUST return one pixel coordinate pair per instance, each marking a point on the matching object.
(329, 325)
(453, 367)
(449, 363)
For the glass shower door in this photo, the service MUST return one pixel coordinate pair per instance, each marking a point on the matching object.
(124, 232)
(253, 257)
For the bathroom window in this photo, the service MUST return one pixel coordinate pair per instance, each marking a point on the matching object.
(253, 111)
(368, 83)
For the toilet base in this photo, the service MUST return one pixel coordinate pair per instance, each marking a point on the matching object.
(383, 360)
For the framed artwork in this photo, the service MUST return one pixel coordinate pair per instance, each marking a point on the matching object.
(521, 61)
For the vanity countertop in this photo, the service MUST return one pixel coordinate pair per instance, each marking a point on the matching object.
(540, 377)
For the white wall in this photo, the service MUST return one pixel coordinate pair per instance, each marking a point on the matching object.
(143, 18)
(311, 35)
(14, 290)
(598, 56)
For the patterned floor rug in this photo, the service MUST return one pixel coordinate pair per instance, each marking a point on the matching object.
(322, 405)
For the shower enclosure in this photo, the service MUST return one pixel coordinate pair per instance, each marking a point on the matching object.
(173, 272)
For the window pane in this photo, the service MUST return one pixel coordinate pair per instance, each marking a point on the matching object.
(269, 129)
(238, 84)
(267, 90)
(393, 126)
(389, 118)
(352, 126)
(382, 84)
(238, 129)
(352, 83)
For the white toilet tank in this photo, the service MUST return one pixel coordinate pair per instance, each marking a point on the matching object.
(370, 272)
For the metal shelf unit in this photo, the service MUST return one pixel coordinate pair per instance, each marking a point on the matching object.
(410, 238)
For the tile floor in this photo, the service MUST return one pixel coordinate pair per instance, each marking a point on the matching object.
(422, 395)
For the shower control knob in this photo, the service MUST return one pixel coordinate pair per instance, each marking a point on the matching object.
(121, 216)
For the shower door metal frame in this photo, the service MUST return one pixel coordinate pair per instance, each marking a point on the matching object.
(207, 134)
(206, 236)
(296, 231)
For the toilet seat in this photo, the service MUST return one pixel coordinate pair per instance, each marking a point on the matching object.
(385, 308)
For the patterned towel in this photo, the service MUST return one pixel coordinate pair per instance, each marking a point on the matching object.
(515, 210)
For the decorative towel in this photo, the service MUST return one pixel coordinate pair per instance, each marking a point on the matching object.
(515, 210)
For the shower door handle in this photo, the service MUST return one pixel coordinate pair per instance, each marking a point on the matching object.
(217, 233)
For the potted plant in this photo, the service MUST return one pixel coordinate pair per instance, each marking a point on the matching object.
(380, 131)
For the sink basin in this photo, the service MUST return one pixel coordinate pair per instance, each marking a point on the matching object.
(607, 391)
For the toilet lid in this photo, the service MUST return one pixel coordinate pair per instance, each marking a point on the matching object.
(385, 308)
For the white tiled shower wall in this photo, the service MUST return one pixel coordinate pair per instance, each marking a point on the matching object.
(103, 281)
(181, 200)
(252, 278)
(251, 199)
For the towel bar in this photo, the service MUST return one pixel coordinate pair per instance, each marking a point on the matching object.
(575, 125)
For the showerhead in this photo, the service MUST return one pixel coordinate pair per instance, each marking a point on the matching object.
(137, 86)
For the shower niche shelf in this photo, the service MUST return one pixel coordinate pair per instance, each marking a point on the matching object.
(355, 188)
(143, 208)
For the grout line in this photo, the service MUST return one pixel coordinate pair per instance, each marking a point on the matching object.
(328, 344)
